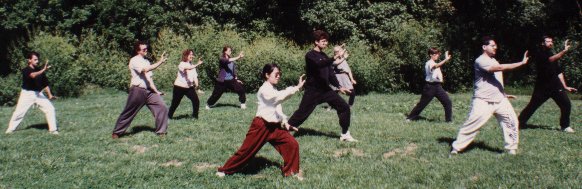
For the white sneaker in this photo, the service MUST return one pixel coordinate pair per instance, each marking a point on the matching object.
(512, 152)
(220, 174)
(9, 132)
(243, 106)
(568, 130)
(453, 153)
(347, 137)
(209, 106)
(54, 132)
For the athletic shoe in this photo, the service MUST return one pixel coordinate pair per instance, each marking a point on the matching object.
(220, 174)
(453, 153)
(209, 106)
(347, 137)
(243, 106)
(568, 130)
(299, 176)
(512, 152)
(54, 132)
(9, 132)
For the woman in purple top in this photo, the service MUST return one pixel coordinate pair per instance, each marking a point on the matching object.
(227, 78)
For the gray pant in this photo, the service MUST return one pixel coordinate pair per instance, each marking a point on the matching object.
(137, 98)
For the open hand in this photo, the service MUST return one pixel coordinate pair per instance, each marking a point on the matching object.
(290, 127)
(566, 45)
(572, 89)
(301, 81)
(525, 58)
(344, 90)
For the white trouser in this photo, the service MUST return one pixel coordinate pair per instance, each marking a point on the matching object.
(481, 111)
(28, 98)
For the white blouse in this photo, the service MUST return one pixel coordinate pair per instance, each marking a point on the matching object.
(270, 100)
(185, 78)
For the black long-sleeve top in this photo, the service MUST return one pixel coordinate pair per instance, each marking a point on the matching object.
(319, 71)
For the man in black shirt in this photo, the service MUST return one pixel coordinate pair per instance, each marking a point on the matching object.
(550, 83)
(320, 76)
(34, 81)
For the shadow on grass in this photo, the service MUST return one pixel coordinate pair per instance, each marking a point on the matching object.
(529, 126)
(40, 126)
(420, 118)
(471, 146)
(310, 132)
(257, 164)
(184, 116)
(141, 128)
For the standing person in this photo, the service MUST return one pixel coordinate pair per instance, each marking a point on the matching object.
(433, 86)
(34, 81)
(269, 125)
(142, 91)
(320, 76)
(489, 99)
(227, 79)
(185, 84)
(343, 73)
(550, 83)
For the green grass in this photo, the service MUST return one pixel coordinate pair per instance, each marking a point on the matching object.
(391, 153)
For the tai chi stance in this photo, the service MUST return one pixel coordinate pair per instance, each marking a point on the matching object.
(433, 86)
(186, 84)
(34, 81)
(550, 83)
(142, 91)
(227, 79)
(320, 76)
(489, 99)
(343, 73)
(269, 125)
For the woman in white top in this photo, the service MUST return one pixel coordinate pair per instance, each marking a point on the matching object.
(269, 125)
(186, 84)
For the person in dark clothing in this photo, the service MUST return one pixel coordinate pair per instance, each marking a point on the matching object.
(227, 79)
(320, 76)
(550, 83)
(434, 86)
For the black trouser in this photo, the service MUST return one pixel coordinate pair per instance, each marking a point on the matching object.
(178, 93)
(352, 97)
(430, 91)
(221, 87)
(312, 97)
(539, 97)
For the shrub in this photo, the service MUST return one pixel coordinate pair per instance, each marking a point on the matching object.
(102, 62)
(9, 89)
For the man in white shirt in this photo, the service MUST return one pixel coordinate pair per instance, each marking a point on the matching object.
(434, 86)
(142, 92)
(490, 99)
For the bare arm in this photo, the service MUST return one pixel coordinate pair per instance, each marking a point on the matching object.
(561, 53)
(504, 67)
(447, 58)
(240, 55)
(162, 59)
(49, 94)
(570, 89)
(35, 74)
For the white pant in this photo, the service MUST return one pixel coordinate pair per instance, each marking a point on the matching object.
(28, 98)
(481, 111)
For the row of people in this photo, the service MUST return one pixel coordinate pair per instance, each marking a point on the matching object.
(271, 124)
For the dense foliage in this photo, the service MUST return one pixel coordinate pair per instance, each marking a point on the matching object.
(90, 41)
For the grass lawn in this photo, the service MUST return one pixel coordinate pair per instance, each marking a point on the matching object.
(391, 153)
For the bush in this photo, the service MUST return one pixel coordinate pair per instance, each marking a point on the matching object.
(9, 89)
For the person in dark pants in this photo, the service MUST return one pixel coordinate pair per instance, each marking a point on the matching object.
(269, 125)
(550, 83)
(142, 92)
(434, 86)
(227, 79)
(185, 84)
(320, 76)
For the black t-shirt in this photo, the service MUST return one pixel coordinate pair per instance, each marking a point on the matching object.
(547, 78)
(319, 71)
(33, 84)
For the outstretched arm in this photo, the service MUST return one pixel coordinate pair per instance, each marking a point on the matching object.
(570, 89)
(504, 67)
(447, 58)
(561, 53)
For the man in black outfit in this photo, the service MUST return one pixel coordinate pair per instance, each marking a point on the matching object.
(320, 75)
(550, 83)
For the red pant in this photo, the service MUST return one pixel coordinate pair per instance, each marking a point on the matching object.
(259, 133)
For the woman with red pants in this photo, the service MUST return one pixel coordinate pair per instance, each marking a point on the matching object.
(269, 125)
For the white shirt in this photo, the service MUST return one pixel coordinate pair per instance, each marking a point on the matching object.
(136, 65)
(432, 75)
(185, 78)
(270, 100)
(488, 86)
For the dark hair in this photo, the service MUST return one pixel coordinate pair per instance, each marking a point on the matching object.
(226, 47)
(486, 40)
(136, 46)
(433, 50)
(185, 54)
(319, 35)
(268, 69)
(32, 53)
(546, 36)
